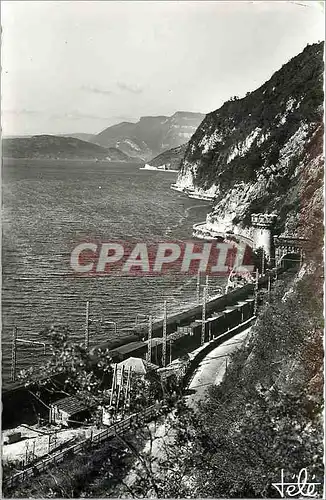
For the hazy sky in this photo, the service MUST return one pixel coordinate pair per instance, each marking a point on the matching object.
(82, 66)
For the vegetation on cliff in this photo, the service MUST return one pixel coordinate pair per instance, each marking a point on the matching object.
(259, 151)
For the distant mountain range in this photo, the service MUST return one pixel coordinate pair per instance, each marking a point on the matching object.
(126, 141)
(56, 147)
(151, 135)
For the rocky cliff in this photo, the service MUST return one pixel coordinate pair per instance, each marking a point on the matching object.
(51, 146)
(151, 135)
(170, 160)
(264, 152)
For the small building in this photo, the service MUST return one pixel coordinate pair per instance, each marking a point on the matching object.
(69, 411)
(138, 366)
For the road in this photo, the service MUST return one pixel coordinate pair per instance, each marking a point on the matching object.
(212, 368)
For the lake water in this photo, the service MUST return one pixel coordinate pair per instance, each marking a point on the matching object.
(49, 207)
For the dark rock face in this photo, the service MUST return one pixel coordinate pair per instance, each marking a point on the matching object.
(262, 152)
(151, 135)
(51, 146)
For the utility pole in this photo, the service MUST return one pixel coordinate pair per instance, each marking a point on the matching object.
(114, 385)
(170, 357)
(206, 284)
(198, 286)
(149, 345)
(269, 286)
(87, 326)
(127, 390)
(119, 388)
(256, 293)
(164, 335)
(203, 315)
(263, 262)
(14, 354)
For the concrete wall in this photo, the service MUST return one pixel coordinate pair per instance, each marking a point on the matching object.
(210, 346)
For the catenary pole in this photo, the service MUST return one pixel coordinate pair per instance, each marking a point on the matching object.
(14, 354)
(87, 326)
(149, 345)
(164, 335)
(203, 315)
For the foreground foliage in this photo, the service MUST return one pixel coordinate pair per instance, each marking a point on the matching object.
(71, 369)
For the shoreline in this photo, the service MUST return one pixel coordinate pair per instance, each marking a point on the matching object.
(157, 169)
(94, 160)
(192, 193)
(203, 232)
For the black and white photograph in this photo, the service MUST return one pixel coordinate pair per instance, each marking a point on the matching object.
(162, 249)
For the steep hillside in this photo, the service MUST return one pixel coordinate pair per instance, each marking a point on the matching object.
(151, 135)
(170, 159)
(263, 152)
(51, 146)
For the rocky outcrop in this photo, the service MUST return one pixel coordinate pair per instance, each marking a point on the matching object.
(151, 135)
(169, 160)
(54, 147)
(263, 153)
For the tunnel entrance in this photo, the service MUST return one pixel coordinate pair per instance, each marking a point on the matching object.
(291, 261)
